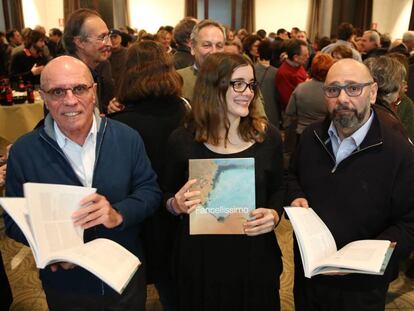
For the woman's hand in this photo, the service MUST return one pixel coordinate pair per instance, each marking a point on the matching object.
(265, 220)
(185, 201)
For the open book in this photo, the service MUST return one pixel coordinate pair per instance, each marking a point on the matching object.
(227, 189)
(44, 216)
(320, 255)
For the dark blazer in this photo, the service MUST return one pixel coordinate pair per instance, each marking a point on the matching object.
(401, 48)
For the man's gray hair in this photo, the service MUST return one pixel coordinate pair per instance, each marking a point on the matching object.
(374, 37)
(201, 25)
(408, 36)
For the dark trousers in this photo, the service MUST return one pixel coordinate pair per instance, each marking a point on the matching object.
(6, 297)
(167, 293)
(132, 299)
(314, 296)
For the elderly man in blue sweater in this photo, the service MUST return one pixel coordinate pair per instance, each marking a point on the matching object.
(75, 146)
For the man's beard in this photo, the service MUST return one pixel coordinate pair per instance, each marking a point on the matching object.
(38, 49)
(350, 120)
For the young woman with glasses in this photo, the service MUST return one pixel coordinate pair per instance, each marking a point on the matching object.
(227, 272)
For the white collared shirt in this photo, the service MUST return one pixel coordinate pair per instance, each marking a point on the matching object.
(342, 149)
(81, 158)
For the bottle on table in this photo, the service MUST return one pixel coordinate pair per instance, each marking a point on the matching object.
(2, 92)
(9, 96)
(30, 93)
(20, 85)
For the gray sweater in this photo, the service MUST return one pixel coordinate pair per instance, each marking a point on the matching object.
(307, 104)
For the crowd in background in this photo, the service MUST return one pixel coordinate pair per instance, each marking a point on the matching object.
(24, 53)
(149, 82)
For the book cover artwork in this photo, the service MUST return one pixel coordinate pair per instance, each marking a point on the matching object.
(227, 195)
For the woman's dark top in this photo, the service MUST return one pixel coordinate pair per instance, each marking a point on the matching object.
(155, 118)
(228, 272)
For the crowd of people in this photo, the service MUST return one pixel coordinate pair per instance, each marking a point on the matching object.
(126, 111)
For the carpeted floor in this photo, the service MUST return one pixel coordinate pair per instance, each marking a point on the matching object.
(28, 294)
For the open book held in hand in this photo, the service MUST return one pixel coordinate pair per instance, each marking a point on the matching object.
(45, 218)
(320, 255)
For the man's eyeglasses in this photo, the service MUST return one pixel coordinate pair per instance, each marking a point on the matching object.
(239, 86)
(102, 38)
(352, 89)
(58, 93)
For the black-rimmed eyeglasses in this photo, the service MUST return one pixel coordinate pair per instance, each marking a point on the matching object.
(239, 86)
(58, 93)
(351, 89)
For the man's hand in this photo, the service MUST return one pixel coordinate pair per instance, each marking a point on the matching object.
(299, 202)
(96, 210)
(265, 221)
(115, 106)
(37, 70)
(63, 265)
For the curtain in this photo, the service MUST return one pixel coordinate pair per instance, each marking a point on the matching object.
(363, 14)
(248, 15)
(120, 13)
(191, 8)
(7, 21)
(69, 6)
(411, 25)
(126, 12)
(16, 14)
(314, 19)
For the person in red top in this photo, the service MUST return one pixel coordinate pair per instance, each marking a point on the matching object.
(292, 72)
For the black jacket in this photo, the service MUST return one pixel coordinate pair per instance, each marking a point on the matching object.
(369, 195)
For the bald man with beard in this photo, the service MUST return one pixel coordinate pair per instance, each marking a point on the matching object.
(359, 181)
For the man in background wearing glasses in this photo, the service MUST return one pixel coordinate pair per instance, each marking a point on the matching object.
(86, 37)
(75, 146)
(356, 170)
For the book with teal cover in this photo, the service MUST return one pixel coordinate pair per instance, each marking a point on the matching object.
(227, 189)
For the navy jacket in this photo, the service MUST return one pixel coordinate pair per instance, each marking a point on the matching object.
(122, 173)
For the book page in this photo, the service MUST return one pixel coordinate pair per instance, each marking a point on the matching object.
(16, 209)
(314, 238)
(364, 255)
(108, 260)
(50, 209)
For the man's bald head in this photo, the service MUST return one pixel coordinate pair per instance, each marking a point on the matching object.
(348, 66)
(69, 93)
(62, 66)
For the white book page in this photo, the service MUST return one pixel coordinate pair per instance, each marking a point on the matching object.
(108, 260)
(50, 209)
(16, 209)
(365, 255)
(315, 240)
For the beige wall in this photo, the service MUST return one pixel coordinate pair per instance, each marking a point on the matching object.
(274, 14)
(392, 17)
(42, 12)
(150, 15)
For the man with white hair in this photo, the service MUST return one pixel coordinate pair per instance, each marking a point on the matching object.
(407, 44)
(371, 44)
(76, 146)
(207, 37)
